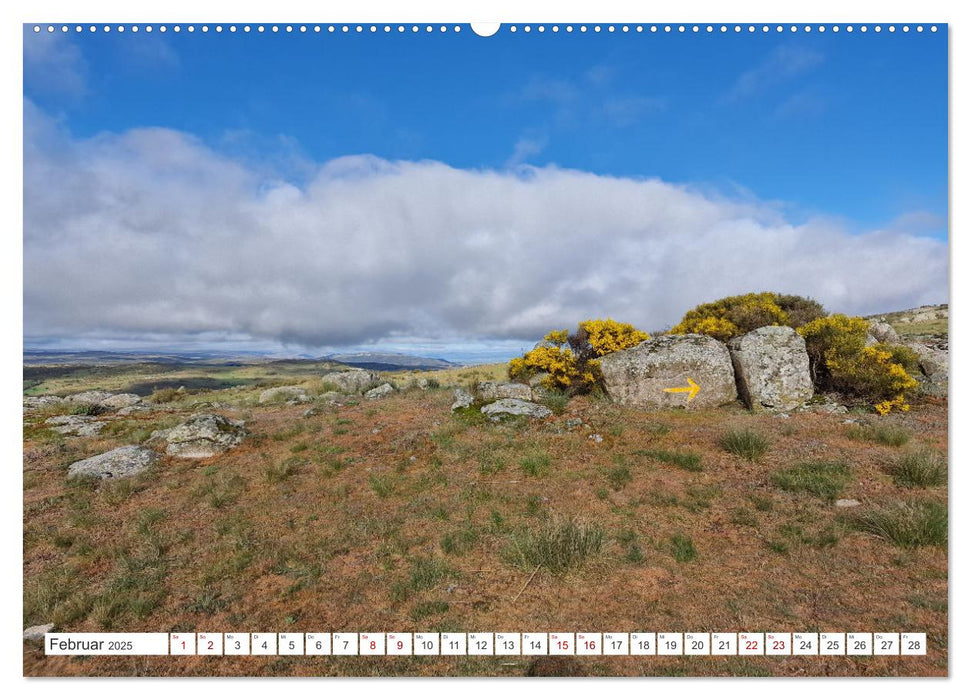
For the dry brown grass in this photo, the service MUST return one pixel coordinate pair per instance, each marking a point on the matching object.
(394, 516)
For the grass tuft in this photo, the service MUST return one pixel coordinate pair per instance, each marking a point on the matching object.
(558, 546)
(689, 461)
(683, 549)
(919, 469)
(823, 479)
(908, 524)
(744, 443)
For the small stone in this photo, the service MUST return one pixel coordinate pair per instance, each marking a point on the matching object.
(309, 413)
(573, 423)
(847, 503)
(83, 426)
(596, 437)
(37, 632)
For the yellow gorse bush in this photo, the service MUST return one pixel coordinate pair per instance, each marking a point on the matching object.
(726, 318)
(843, 362)
(569, 361)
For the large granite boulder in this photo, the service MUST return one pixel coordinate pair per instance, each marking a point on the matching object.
(771, 368)
(933, 364)
(492, 391)
(119, 462)
(203, 435)
(884, 332)
(516, 407)
(353, 381)
(671, 371)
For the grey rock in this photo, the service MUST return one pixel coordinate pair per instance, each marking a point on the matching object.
(643, 375)
(119, 462)
(332, 397)
(36, 633)
(204, 435)
(134, 408)
(119, 401)
(309, 413)
(379, 392)
(884, 332)
(84, 426)
(536, 381)
(492, 391)
(933, 364)
(41, 403)
(870, 340)
(461, 399)
(847, 503)
(284, 393)
(573, 423)
(93, 398)
(596, 437)
(771, 368)
(352, 381)
(516, 407)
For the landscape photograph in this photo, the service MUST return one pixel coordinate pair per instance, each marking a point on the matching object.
(599, 335)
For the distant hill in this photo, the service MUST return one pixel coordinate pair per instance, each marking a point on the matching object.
(389, 362)
(924, 320)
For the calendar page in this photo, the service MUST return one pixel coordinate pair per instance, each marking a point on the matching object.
(515, 349)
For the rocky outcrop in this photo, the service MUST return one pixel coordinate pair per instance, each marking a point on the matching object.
(203, 435)
(492, 391)
(933, 364)
(36, 632)
(771, 368)
(671, 371)
(353, 381)
(516, 407)
(120, 462)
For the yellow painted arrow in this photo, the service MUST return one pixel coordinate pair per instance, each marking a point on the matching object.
(692, 389)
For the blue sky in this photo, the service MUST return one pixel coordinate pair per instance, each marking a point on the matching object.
(808, 135)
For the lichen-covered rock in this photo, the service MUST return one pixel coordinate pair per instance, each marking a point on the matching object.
(119, 401)
(120, 462)
(89, 398)
(771, 368)
(492, 391)
(933, 364)
(379, 392)
(671, 371)
(353, 381)
(42, 403)
(516, 407)
(461, 399)
(884, 332)
(83, 426)
(204, 435)
(284, 393)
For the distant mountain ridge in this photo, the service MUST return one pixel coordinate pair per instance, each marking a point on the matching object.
(389, 361)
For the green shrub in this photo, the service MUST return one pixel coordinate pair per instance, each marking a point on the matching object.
(618, 477)
(905, 523)
(87, 409)
(823, 479)
(556, 400)
(558, 546)
(744, 443)
(736, 315)
(920, 469)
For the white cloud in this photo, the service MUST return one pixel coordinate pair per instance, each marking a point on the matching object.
(53, 64)
(779, 66)
(151, 234)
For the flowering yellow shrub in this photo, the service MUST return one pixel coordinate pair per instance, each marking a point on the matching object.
(841, 361)
(570, 360)
(726, 318)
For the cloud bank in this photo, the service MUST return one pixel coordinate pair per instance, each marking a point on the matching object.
(149, 234)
